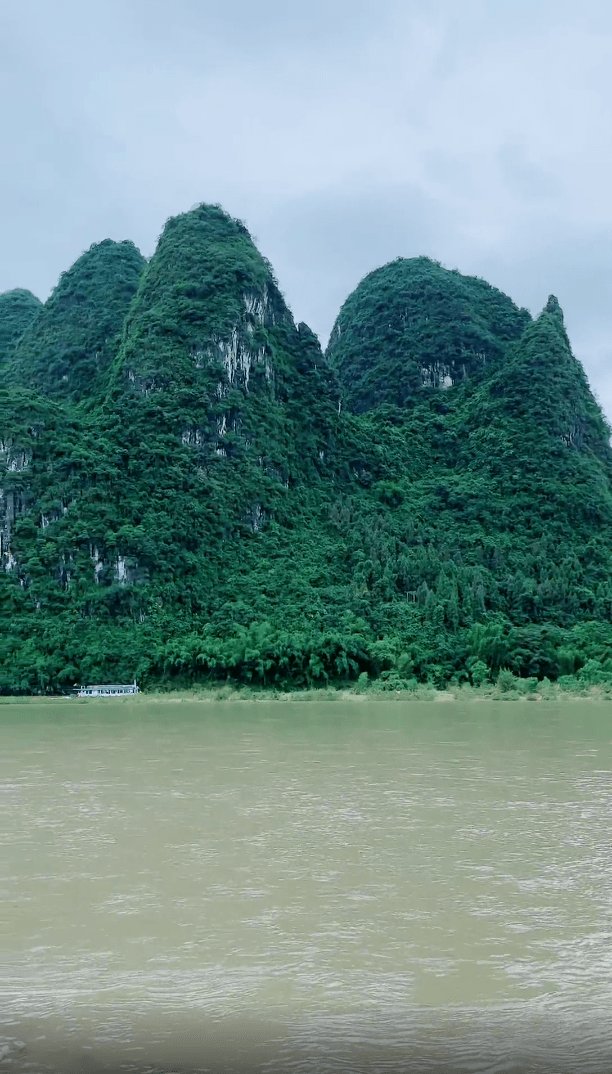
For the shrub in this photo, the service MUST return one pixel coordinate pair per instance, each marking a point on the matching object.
(479, 673)
(506, 681)
(362, 683)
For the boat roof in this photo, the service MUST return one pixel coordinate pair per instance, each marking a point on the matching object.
(110, 686)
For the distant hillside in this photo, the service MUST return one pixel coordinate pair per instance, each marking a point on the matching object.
(18, 309)
(69, 346)
(431, 501)
(412, 327)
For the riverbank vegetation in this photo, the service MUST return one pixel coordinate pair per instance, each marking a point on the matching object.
(194, 495)
(561, 691)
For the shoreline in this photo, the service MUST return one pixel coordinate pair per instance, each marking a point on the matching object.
(550, 692)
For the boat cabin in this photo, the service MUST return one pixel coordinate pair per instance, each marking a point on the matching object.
(107, 691)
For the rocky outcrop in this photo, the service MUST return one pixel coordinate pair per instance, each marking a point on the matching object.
(210, 340)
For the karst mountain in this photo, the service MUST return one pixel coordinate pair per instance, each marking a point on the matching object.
(191, 490)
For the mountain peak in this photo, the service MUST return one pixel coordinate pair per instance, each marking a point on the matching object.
(552, 306)
(18, 308)
(70, 344)
(412, 326)
(206, 302)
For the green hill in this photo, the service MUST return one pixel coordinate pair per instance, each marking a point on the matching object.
(412, 326)
(225, 409)
(18, 308)
(180, 504)
(432, 501)
(66, 350)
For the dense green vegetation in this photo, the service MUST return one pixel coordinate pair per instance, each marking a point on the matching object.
(413, 327)
(18, 309)
(192, 491)
(67, 349)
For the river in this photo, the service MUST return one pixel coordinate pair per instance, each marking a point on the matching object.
(306, 886)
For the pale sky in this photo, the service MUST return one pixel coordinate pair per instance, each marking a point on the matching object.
(343, 132)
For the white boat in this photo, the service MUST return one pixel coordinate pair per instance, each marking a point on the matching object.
(107, 690)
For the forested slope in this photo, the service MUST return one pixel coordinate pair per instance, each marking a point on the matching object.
(412, 326)
(18, 308)
(66, 350)
(193, 491)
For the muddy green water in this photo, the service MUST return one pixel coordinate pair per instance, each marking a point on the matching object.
(306, 887)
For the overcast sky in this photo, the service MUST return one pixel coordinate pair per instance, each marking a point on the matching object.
(344, 133)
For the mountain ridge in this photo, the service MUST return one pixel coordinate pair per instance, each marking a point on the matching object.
(191, 490)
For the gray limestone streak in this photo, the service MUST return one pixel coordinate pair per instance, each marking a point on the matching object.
(12, 501)
(9, 560)
(239, 358)
(256, 517)
(13, 460)
(127, 571)
(574, 436)
(193, 437)
(197, 437)
(258, 307)
(239, 352)
(98, 564)
(64, 571)
(436, 376)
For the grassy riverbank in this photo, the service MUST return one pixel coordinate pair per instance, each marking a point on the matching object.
(544, 692)
(229, 694)
(507, 687)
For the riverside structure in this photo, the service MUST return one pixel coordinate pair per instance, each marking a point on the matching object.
(107, 690)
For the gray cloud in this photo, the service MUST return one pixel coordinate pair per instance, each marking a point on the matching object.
(344, 133)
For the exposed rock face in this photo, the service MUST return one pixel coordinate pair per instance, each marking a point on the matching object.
(213, 404)
(31, 429)
(18, 308)
(14, 463)
(210, 340)
(66, 351)
(207, 304)
(413, 326)
(12, 504)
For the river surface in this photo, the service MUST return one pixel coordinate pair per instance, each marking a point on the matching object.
(306, 887)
